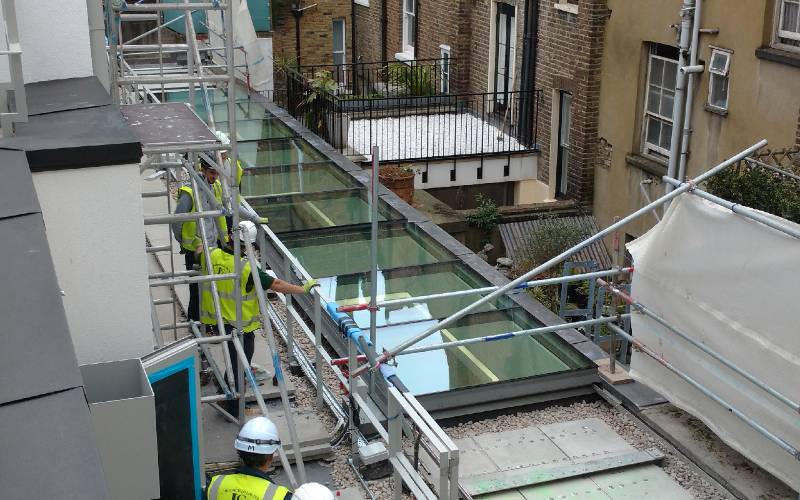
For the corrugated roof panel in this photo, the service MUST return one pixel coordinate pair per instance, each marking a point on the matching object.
(515, 235)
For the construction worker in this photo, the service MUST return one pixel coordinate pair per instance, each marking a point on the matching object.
(256, 444)
(313, 491)
(222, 263)
(188, 233)
(223, 138)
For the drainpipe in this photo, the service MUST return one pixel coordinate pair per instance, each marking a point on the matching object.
(354, 57)
(687, 114)
(97, 41)
(384, 29)
(353, 30)
(529, 50)
(297, 12)
(687, 12)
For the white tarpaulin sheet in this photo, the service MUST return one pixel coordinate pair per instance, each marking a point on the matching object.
(732, 284)
(259, 64)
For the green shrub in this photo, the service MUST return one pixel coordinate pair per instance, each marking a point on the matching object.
(411, 80)
(758, 188)
(551, 236)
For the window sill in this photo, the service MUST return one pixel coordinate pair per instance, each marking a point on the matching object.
(405, 57)
(715, 110)
(569, 8)
(779, 56)
(649, 165)
(364, 3)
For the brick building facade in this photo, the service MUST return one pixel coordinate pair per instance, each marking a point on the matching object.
(567, 38)
(316, 31)
(464, 27)
(571, 37)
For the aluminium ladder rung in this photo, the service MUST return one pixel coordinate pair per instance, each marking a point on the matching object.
(189, 216)
(155, 194)
(162, 302)
(162, 248)
(169, 274)
(153, 47)
(150, 7)
(192, 279)
(174, 326)
(154, 80)
(140, 17)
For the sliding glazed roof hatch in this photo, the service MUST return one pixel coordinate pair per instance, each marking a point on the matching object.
(321, 214)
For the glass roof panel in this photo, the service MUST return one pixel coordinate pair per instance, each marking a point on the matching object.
(298, 213)
(480, 363)
(278, 152)
(347, 252)
(254, 130)
(293, 179)
(405, 283)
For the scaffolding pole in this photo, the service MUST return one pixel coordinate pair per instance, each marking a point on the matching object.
(487, 289)
(561, 257)
(263, 307)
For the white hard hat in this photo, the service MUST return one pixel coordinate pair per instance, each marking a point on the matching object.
(259, 436)
(312, 491)
(248, 226)
(222, 137)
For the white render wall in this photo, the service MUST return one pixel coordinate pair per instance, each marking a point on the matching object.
(521, 167)
(95, 227)
(54, 35)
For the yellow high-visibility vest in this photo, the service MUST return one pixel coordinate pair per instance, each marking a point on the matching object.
(189, 233)
(244, 487)
(222, 263)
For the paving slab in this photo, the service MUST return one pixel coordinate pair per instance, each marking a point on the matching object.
(219, 434)
(588, 439)
(648, 482)
(578, 488)
(503, 449)
(558, 460)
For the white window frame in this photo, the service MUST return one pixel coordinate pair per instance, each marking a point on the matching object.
(343, 49)
(444, 74)
(724, 72)
(778, 33)
(409, 16)
(647, 147)
(562, 159)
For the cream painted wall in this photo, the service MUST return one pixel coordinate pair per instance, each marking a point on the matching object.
(54, 35)
(94, 224)
(764, 100)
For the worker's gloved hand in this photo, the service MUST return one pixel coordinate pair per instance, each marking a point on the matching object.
(387, 370)
(308, 285)
(263, 220)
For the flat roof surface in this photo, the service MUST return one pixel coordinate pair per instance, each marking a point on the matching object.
(72, 126)
(65, 95)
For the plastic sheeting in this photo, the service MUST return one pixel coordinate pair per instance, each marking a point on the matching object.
(259, 63)
(731, 283)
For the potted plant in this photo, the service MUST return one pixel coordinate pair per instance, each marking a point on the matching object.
(400, 179)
